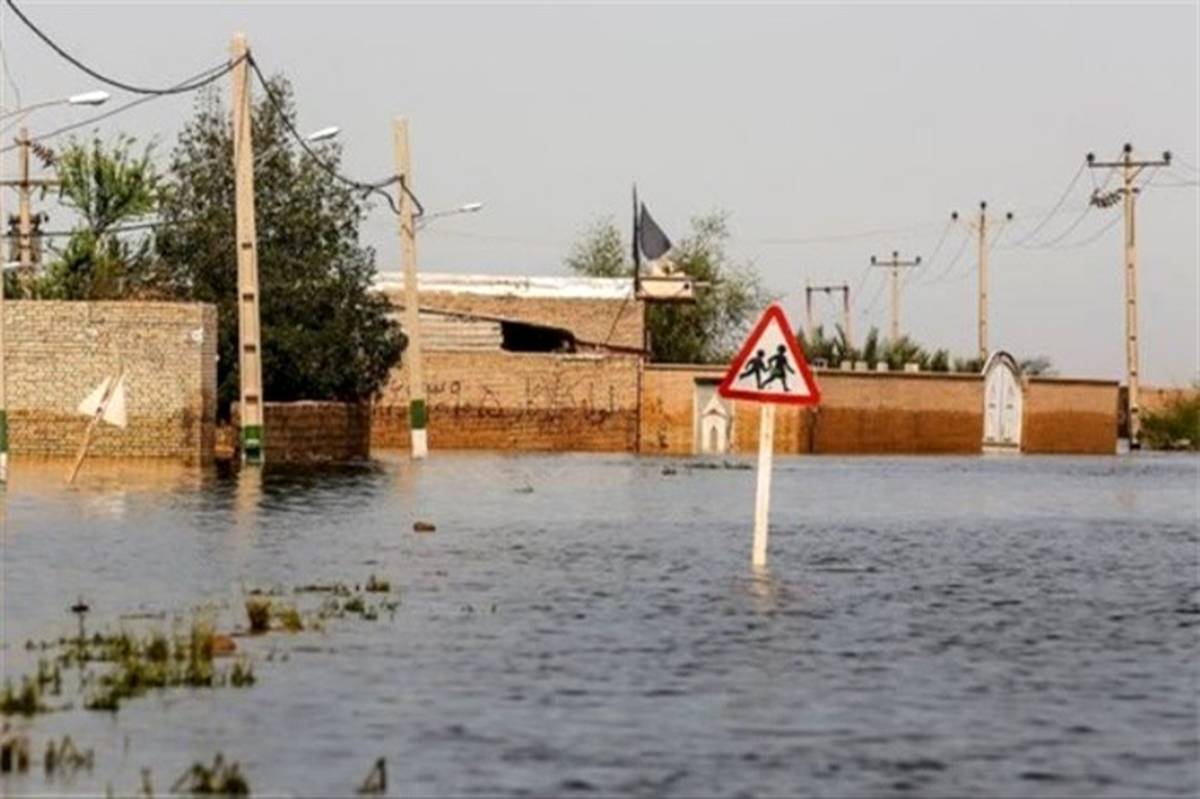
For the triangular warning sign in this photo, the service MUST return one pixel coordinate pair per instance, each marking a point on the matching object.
(770, 366)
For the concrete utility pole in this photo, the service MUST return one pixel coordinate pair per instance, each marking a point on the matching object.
(844, 288)
(1130, 169)
(3, 353)
(418, 413)
(249, 330)
(896, 265)
(25, 184)
(981, 227)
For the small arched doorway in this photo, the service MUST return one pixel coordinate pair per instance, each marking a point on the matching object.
(1002, 402)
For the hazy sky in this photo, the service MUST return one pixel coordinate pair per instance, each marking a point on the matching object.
(803, 122)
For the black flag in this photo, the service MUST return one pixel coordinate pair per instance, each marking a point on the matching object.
(650, 237)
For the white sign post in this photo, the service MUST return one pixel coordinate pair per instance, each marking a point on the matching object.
(769, 369)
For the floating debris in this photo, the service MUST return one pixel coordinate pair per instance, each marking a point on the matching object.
(376, 781)
(669, 470)
(337, 589)
(424, 527)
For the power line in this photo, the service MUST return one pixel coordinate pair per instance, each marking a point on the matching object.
(187, 86)
(367, 188)
(104, 115)
(1066, 193)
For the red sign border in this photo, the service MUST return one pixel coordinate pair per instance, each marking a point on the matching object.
(726, 389)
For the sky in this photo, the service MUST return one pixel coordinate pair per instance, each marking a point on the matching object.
(827, 133)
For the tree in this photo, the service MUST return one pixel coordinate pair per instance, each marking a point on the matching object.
(326, 335)
(706, 331)
(107, 188)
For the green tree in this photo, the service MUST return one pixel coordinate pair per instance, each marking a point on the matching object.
(107, 187)
(325, 333)
(706, 331)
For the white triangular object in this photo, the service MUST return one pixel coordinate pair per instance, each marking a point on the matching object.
(91, 403)
(114, 414)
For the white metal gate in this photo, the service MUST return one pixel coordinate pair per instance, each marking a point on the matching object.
(1002, 402)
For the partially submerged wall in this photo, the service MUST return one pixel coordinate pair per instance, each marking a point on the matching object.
(517, 401)
(1069, 416)
(860, 412)
(57, 352)
(312, 432)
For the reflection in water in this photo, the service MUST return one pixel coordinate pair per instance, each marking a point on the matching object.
(588, 622)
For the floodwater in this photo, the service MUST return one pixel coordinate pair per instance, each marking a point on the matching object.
(1006, 626)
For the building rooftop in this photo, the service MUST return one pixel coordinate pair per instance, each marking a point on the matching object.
(561, 287)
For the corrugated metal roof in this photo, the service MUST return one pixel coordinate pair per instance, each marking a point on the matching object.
(529, 286)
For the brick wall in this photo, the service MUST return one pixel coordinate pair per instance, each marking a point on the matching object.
(1069, 416)
(518, 401)
(312, 432)
(861, 412)
(615, 321)
(57, 352)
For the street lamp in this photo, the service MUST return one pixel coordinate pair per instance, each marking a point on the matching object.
(96, 97)
(466, 208)
(324, 134)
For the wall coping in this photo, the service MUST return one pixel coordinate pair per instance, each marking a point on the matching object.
(705, 369)
(1074, 381)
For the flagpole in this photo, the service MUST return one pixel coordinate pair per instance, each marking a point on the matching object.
(637, 255)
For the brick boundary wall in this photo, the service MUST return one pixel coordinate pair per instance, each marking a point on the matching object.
(56, 352)
(860, 413)
(1064, 416)
(312, 431)
(501, 400)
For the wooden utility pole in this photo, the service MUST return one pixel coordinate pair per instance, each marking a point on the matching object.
(418, 414)
(844, 289)
(1130, 169)
(249, 331)
(895, 264)
(981, 228)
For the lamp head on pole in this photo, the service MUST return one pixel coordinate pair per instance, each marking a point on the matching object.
(323, 134)
(89, 98)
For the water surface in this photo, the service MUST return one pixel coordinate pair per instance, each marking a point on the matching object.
(928, 626)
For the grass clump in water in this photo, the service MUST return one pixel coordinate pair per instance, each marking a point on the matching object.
(23, 701)
(219, 779)
(376, 585)
(258, 610)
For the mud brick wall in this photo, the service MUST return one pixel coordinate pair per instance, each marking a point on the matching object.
(615, 321)
(517, 401)
(864, 412)
(1069, 416)
(314, 432)
(898, 412)
(57, 352)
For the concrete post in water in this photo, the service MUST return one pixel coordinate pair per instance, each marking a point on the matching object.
(249, 333)
(418, 414)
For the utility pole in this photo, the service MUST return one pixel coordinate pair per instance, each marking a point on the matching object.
(981, 227)
(896, 265)
(1130, 169)
(418, 413)
(844, 289)
(249, 330)
(25, 184)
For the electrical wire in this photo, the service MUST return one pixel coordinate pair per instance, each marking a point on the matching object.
(181, 88)
(1054, 210)
(933, 279)
(366, 188)
(96, 118)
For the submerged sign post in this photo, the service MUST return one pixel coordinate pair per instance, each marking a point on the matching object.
(769, 369)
